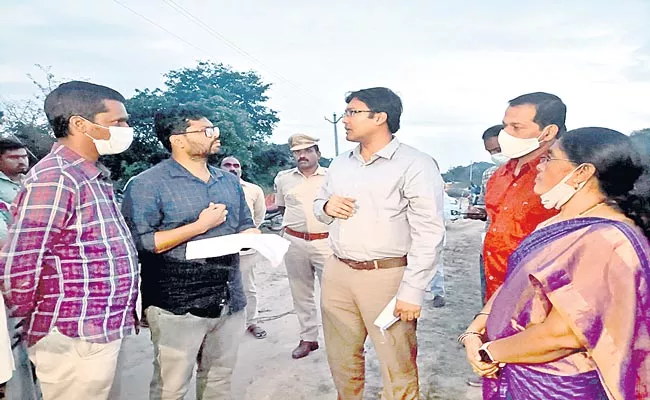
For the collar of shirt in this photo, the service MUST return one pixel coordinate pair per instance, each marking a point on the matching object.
(4, 177)
(89, 169)
(511, 166)
(386, 152)
(176, 170)
(319, 171)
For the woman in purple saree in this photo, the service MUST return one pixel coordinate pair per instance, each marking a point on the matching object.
(572, 319)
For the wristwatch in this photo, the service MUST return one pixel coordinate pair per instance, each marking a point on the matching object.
(485, 354)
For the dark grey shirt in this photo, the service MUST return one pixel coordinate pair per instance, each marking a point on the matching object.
(165, 197)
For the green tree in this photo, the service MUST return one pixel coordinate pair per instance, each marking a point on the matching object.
(641, 139)
(241, 90)
(233, 100)
(461, 173)
(26, 119)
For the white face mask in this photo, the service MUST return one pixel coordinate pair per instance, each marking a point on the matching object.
(559, 194)
(499, 159)
(120, 139)
(514, 147)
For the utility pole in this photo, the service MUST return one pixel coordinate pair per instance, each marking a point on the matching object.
(335, 121)
(470, 172)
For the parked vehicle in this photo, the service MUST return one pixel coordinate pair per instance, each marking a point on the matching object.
(273, 218)
(452, 209)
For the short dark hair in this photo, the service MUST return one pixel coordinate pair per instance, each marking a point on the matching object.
(492, 131)
(380, 99)
(8, 144)
(622, 176)
(549, 109)
(175, 119)
(76, 98)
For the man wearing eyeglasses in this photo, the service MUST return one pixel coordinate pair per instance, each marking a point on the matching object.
(249, 258)
(195, 308)
(295, 190)
(383, 202)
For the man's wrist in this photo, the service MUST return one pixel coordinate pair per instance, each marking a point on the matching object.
(198, 228)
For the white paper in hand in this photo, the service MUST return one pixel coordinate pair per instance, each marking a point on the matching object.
(270, 246)
(386, 318)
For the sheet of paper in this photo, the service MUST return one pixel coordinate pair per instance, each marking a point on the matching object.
(270, 246)
(386, 317)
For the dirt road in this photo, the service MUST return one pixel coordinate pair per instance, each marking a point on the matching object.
(266, 371)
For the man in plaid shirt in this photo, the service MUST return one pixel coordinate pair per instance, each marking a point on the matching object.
(69, 265)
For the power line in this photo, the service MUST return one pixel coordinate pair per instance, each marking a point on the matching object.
(187, 14)
(161, 27)
(215, 34)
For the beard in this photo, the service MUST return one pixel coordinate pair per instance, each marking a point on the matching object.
(201, 150)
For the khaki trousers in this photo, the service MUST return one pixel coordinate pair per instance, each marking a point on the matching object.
(73, 369)
(304, 261)
(247, 263)
(351, 301)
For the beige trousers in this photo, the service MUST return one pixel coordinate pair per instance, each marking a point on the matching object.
(304, 261)
(247, 263)
(351, 301)
(181, 342)
(73, 369)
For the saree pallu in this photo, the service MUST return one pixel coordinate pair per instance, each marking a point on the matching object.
(596, 273)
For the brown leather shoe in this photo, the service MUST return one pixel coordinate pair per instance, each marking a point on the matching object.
(303, 349)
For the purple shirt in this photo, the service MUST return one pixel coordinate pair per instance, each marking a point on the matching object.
(69, 260)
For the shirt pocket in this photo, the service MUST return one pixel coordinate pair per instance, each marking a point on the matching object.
(293, 196)
(176, 214)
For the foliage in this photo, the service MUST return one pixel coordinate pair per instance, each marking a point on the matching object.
(461, 173)
(641, 140)
(26, 120)
(233, 101)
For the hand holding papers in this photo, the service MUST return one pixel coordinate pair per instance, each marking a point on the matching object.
(386, 318)
(270, 246)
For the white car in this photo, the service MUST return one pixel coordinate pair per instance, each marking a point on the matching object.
(452, 209)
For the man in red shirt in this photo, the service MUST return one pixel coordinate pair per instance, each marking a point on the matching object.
(531, 124)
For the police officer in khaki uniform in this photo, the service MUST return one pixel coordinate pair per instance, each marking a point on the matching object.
(249, 258)
(295, 191)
